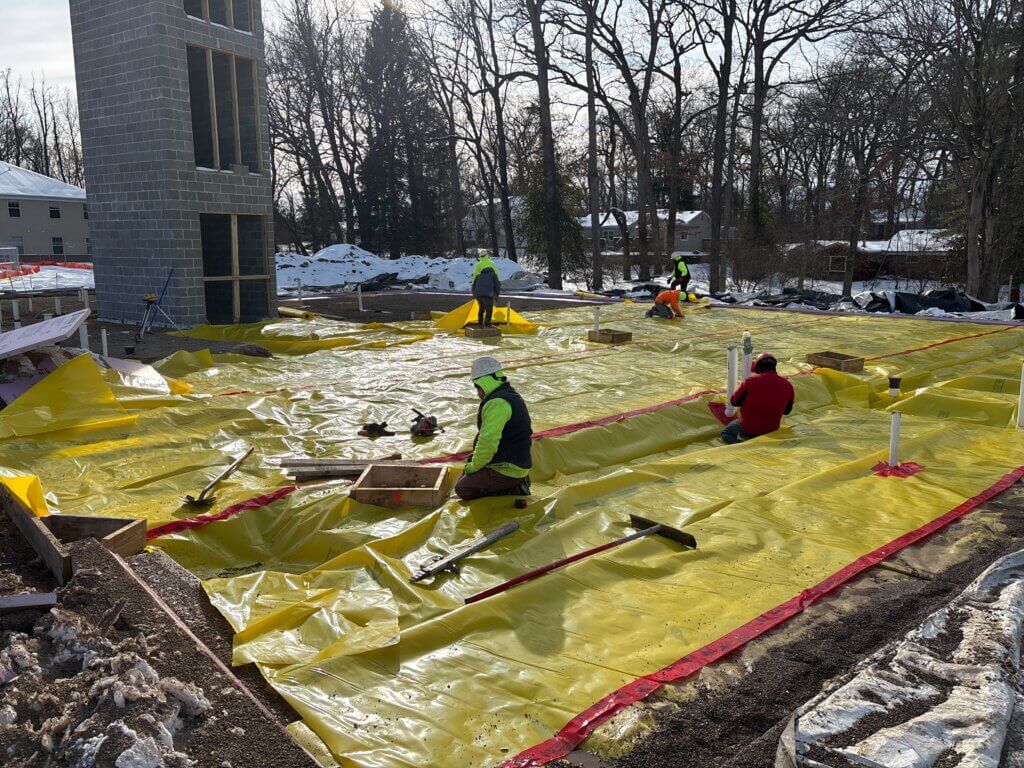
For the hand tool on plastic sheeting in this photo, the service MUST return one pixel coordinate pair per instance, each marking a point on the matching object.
(204, 500)
(647, 528)
(443, 563)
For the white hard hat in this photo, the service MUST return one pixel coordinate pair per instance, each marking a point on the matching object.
(678, 255)
(484, 366)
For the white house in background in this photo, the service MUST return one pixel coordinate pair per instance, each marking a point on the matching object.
(42, 217)
(476, 231)
(692, 236)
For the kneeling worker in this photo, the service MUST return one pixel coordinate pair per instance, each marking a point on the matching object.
(500, 464)
(763, 399)
(666, 306)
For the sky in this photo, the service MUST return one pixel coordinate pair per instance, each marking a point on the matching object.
(35, 38)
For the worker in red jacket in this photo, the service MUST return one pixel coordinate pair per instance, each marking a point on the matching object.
(763, 399)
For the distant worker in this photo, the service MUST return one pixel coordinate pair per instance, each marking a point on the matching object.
(680, 274)
(763, 399)
(501, 461)
(666, 306)
(486, 287)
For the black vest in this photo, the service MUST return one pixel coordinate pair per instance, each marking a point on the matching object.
(517, 436)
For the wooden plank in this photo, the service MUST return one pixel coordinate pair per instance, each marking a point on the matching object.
(46, 545)
(609, 336)
(123, 535)
(128, 539)
(307, 462)
(27, 600)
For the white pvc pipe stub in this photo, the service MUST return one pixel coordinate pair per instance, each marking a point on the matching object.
(894, 440)
(1020, 400)
(597, 319)
(732, 362)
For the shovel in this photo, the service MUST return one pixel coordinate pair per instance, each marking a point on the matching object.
(647, 528)
(205, 499)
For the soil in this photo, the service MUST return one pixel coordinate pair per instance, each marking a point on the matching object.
(185, 596)
(738, 725)
(107, 677)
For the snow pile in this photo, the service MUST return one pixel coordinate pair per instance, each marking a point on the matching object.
(340, 266)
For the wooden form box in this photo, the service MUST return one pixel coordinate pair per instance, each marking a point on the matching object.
(837, 361)
(609, 336)
(482, 332)
(393, 485)
(48, 535)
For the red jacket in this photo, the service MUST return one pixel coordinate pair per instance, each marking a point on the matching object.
(763, 399)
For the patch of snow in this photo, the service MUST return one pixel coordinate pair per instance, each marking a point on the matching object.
(50, 278)
(348, 265)
(141, 754)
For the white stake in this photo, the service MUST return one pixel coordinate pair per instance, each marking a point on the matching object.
(894, 440)
(597, 319)
(56, 278)
(16, 310)
(29, 303)
(103, 341)
(47, 315)
(730, 380)
(56, 305)
(83, 336)
(508, 316)
(748, 351)
(17, 324)
(359, 294)
(298, 288)
(1020, 400)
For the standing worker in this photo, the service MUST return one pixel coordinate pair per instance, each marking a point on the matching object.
(763, 399)
(680, 274)
(501, 461)
(666, 306)
(486, 287)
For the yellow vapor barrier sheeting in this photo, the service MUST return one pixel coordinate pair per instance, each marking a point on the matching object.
(386, 673)
(507, 319)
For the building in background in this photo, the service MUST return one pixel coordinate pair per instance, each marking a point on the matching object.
(45, 219)
(173, 107)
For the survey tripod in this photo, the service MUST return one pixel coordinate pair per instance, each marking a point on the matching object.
(153, 307)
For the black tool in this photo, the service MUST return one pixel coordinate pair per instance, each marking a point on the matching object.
(373, 429)
(424, 426)
(442, 563)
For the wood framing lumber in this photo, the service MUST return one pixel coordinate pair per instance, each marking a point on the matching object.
(39, 537)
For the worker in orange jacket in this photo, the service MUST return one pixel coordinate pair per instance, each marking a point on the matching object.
(666, 306)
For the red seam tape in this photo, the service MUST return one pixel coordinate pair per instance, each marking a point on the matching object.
(193, 522)
(581, 726)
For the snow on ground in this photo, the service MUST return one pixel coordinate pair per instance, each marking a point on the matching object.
(49, 278)
(347, 265)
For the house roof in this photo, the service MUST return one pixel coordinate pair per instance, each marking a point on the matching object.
(20, 182)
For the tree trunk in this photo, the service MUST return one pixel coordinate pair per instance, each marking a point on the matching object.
(757, 234)
(718, 151)
(593, 194)
(554, 232)
(860, 211)
(453, 169)
(975, 216)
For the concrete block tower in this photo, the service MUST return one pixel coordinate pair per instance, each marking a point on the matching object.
(173, 104)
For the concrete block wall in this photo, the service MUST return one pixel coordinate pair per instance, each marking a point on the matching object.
(145, 191)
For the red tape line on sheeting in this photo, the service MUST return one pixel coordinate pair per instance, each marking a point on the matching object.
(192, 522)
(581, 726)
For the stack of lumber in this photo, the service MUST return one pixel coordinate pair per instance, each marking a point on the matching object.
(302, 469)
